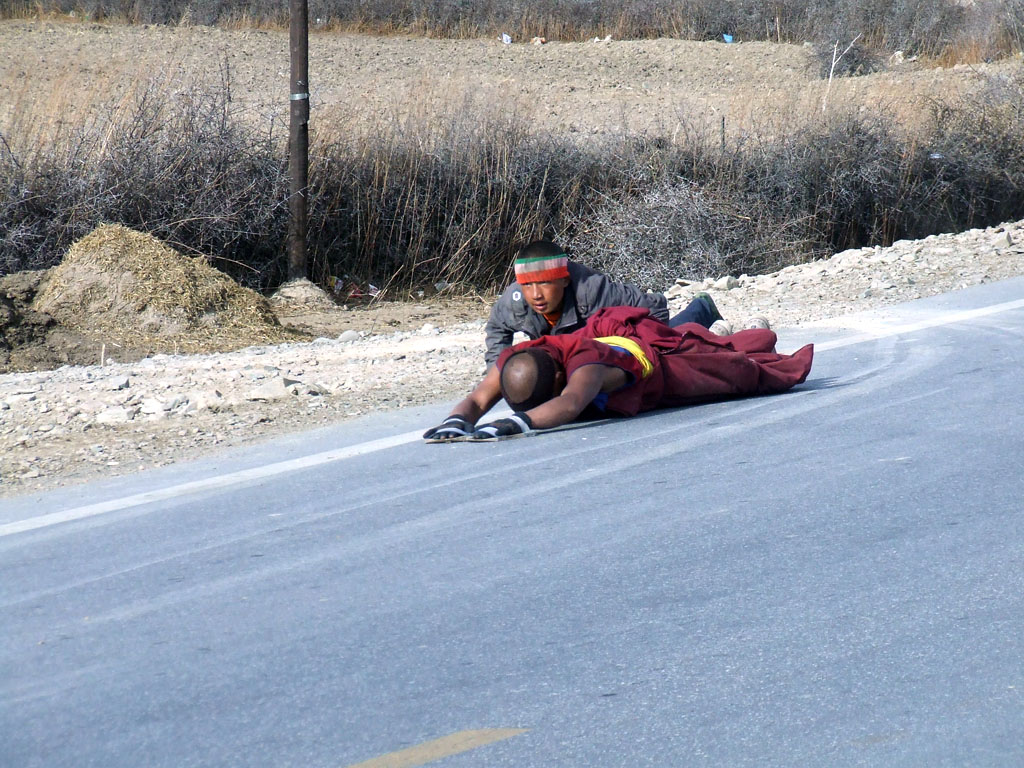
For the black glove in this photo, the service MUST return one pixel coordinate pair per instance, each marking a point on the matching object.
(516, 424)
(455, 426)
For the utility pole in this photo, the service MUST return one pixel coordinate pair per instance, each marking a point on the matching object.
(298, 139)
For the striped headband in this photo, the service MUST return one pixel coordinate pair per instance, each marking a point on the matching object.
(542, 268)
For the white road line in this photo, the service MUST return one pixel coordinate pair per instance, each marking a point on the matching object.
(317, 459)
(885, 331)
(209, 484)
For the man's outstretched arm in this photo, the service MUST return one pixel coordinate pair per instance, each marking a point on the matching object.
(463, 417)
(584, 385)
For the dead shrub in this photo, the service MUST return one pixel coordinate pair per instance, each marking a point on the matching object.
(679, 229)
(172, 161)
(839, 59)
(406, 203)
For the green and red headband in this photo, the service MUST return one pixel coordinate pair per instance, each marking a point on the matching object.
(541, 269)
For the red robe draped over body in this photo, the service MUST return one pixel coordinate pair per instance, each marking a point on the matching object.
(690, 364)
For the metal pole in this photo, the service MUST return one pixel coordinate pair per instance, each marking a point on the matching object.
(298, 138)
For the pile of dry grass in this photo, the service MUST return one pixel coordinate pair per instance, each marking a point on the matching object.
(123, 287)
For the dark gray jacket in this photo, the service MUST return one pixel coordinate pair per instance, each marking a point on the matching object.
(588, 291)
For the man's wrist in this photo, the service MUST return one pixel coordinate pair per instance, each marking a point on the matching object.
(523, 420)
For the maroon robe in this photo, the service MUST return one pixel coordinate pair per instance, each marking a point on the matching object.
(691, 364)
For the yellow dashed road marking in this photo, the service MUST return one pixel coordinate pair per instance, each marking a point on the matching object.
(429, 751)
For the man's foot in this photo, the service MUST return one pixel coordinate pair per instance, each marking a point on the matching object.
(759, 322)
(706, 298)
(721, 328)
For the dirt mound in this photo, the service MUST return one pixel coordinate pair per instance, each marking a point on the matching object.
(301, 293)
(128, 289)
(32, 341)
(19, 326)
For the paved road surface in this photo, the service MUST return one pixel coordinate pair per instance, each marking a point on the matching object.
(828, 577)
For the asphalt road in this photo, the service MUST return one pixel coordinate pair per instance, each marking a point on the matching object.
(832, 576)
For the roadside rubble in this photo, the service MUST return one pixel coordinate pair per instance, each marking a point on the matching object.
(82, 422)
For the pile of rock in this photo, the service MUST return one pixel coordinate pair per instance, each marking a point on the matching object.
(861, 278)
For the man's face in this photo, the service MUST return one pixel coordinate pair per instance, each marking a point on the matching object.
(546, 297)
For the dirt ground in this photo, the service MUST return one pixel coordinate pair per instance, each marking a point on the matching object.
(34, 341)
(378, 317)
(50, 68)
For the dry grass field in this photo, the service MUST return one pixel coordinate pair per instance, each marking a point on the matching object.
(53, 71)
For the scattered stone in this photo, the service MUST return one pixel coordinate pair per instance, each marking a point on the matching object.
(116, 415)
(152, 405)
(726, 283)
(209, 400)
(272, 389)
(348, 335)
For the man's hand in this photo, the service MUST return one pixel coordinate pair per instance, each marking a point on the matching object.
(516, 424)
(452, 428)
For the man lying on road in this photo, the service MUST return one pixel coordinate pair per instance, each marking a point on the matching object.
(621, 363)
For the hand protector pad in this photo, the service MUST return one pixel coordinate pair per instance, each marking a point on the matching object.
(516, 425)
(455, 427)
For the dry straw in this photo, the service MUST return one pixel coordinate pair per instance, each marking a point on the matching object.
(119, 286)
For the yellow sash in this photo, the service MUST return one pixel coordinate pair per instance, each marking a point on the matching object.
(633, 348)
